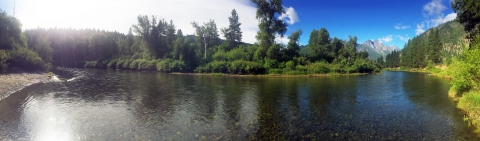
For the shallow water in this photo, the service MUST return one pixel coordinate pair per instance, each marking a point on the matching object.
(95, 104)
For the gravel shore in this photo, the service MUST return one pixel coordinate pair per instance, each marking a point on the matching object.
(10, 83)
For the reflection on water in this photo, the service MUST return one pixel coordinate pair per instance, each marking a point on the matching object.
(128, 105)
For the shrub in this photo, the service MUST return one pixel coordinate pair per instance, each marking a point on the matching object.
(3, 59)
(275, 71)
(170, 65)
(290, 65)
(318, 68)
(465, 72)
(112, 64)
(26, 59)
(245, 67)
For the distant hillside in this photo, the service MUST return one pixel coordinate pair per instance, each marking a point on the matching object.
(453, 38)
(376, 49)
(437, 44)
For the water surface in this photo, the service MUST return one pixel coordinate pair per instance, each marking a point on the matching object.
(95, 104)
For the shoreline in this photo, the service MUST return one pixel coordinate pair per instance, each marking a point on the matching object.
(11, 83)
(269, 75)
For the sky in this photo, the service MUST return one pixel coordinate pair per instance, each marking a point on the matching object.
(392, 22)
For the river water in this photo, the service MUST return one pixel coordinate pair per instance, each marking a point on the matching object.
(96, 104)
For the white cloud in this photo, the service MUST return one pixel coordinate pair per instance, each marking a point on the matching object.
(420, 29)
(433, 13)
(435, 7)
(403, 38)
(400, 26)
(102, 14)
(290, 15)
(386, 39)
(282, 40)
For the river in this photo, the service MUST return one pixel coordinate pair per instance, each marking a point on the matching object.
(96, 104)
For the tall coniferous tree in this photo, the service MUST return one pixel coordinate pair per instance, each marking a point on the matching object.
(233, 34)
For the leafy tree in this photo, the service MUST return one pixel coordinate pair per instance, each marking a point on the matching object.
(269, 24)
(293, 46)
(319, 45)
(207, 35)
(179, 33)
(336, 46)
(147, 30)
(10, 32)
(468, 15)
(233, 34)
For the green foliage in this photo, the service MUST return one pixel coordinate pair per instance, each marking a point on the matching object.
(235, 67)
(233, 34)
(239, 53)
(3, 58)
(207, 35)
(27, 60)
(468, 15)
(465, 72)
(318, 68)
(10, 32)
(319, 45)
(270, 25)
(290, 65)
(470, 103)
(170, 65)
(245, 67)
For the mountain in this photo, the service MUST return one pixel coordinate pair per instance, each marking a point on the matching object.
(453, 38)
(376, 49)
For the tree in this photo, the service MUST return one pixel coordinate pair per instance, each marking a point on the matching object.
(319, 45)
(233, 34)
(10, 32)
(293, 46)
(179, 33)
(206, 34)
(147, 30)
(468, 15)
(435, 47)
(270, 25)
(351, 49)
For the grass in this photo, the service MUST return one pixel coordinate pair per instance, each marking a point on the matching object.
(470, 104)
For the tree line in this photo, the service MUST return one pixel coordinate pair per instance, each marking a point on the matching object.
(425, 49)
(157, 44)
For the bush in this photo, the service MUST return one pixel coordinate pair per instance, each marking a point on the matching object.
(318, 68)
(245, 67)
(235, 67)
(170, 65)
(470, 103)
(26, 60)
(465, 72)
(275, 71)
(3, 59)
(112, 64)
(290, 65)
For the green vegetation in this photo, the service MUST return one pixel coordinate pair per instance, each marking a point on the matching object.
(156, 45)
(464, 70)
(438, 45)
(15, 54)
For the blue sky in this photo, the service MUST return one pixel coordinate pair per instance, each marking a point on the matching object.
(372, 19)
(393, 22)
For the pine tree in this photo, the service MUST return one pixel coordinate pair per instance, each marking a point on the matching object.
(233, 34)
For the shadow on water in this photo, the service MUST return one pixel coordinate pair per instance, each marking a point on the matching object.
(130, 105)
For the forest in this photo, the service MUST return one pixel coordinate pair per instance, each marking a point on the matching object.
(157, 45)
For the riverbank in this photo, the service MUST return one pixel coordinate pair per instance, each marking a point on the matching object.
(270, 75)
(10, 83)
